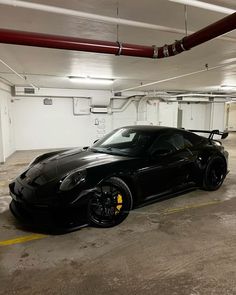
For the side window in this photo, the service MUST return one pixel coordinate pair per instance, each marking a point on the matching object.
(166, 144)
(191, 138)
(162, 145)
(178, 141)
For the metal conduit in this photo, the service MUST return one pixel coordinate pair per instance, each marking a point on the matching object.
(212, 31)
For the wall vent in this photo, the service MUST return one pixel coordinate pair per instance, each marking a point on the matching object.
(29, 90)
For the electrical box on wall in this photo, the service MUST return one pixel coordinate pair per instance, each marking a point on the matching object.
(81, 105)
(47, 101)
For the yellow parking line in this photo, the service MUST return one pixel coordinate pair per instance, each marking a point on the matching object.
(3, 183)
(174, 210)
(41, 236)
(22, 239)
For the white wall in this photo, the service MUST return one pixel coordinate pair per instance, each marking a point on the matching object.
(232, 117)
(196, 115)
(39, 126)
(218, 114)
(168, 114)
(153, 112)
(205, 116)
(126, 118)
(7, 146)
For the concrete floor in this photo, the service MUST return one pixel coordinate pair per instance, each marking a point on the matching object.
(184, 245)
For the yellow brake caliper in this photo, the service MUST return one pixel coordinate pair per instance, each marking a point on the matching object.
(119, 201)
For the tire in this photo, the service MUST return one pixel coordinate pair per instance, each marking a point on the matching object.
(110, 204)
(214, 174)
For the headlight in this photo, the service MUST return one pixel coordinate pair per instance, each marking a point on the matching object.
(72, 180)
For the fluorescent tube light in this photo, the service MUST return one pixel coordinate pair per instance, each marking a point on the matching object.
(205, 5)
(232, 86)
(90, 80)
(228, 87)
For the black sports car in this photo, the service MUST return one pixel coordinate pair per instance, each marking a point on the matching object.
(128, 168)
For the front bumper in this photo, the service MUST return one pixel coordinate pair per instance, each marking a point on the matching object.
(47, 221)
(54, 218)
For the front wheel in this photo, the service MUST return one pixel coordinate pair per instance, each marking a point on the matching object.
(110, 203)
(214, 174)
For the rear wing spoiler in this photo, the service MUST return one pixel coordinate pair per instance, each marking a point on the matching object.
(212, 133)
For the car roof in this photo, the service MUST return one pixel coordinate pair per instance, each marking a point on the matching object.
(158, 129)
(151, 128)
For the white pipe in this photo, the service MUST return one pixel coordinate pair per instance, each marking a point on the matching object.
(205, 5)
(99, 18)
(199, 95)
(142, 101)
(15, 72)
(191, 94)
(2, 89)
(173, 78)
(125, 105)
(5, 81)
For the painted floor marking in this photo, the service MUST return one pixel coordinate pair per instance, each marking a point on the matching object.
(23, 239)
(32, 237)
(3, 183)
(175, 210)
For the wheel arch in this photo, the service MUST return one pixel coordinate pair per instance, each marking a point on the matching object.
(210, 161)
(129, 180)
(123, 189)
(203, 159)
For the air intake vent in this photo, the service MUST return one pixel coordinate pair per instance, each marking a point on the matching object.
(29, 90)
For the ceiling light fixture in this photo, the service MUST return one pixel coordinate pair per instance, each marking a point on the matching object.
(205, 5)
(233, 86)
(228, 87)
(90, 80)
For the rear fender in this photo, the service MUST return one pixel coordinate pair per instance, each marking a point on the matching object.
(203, 161)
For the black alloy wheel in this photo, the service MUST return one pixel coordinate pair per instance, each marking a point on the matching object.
(110, 204)
(215, 173)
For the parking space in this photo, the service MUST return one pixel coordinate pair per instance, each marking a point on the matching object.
(183, 245)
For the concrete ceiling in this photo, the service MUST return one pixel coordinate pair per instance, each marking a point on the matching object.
(50, 67)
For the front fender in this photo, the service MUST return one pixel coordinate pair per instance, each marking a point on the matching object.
(83, 197)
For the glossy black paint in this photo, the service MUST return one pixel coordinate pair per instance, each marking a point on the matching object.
(38, 199)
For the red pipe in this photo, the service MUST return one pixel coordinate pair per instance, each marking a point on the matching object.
(212, 31)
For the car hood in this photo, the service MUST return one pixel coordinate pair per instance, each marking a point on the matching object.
(65, 162)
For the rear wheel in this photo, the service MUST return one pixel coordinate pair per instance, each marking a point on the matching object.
(214, 174)
(110, 203)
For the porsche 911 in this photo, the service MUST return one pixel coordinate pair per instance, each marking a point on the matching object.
(130, 167)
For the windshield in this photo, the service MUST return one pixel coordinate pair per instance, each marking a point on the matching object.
(124, 141)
